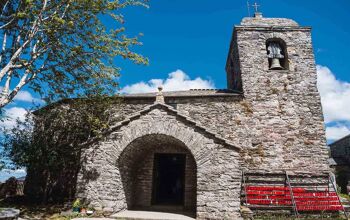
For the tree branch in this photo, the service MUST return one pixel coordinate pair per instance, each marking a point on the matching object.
(6, 88)
(19, 51)
(65, 10)
(3, 8)
(7, 98)
(63, 34)
(3, 46)
(7, 24)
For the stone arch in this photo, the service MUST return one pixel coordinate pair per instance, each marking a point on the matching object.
(191, 137)
(218, 164)
(136, 168)
(283, 61)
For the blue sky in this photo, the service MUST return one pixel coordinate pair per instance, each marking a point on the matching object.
(187, 43)
(194, 35)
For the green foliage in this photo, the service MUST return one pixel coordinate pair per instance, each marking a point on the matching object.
(57, 131)
(345, 196)
(77, 203)
(65, 47)
(49, 143)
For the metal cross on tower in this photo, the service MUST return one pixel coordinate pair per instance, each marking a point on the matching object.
(256, 7)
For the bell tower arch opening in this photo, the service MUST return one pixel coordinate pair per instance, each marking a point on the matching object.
(277, 54)
(261, 46)
(159, 173)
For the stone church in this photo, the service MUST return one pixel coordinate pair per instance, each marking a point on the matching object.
(188, 149)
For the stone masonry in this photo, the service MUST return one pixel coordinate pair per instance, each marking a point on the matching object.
(105, 180)
(286, 121)
(265, 120)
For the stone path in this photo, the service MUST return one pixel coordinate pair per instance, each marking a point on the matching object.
(9, 213)
(93, 219)
(142, 215)
(134, 215)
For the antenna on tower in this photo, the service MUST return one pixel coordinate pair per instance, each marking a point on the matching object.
(248, 7)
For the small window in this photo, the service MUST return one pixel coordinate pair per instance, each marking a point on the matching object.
(277, 54)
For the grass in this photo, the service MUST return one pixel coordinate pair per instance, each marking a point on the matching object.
(48, 212)
(345, 196)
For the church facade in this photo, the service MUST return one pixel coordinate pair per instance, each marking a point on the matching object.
(187, 149)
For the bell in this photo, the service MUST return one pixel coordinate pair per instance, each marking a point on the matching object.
(275, 64)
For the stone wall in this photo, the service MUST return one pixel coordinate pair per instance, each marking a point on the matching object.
(101, 184)
(285, 125)
(278, 121)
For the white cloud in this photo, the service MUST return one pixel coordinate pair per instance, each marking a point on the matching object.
(26, 96)
(6, 173)
(337, 132)
(335, 95)
(177, 80)
(21, 171)
(11, 115)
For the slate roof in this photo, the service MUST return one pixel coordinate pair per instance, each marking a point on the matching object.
(192, 93)
(188, 93)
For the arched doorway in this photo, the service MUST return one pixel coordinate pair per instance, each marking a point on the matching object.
(123, 162)
(159, 173)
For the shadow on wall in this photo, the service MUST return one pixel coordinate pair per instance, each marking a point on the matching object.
(137, 171)
(342, 178)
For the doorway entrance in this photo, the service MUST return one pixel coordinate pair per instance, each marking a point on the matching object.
(168, 179)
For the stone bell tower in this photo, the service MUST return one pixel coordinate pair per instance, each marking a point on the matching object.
(271, 61)
(264, 47)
